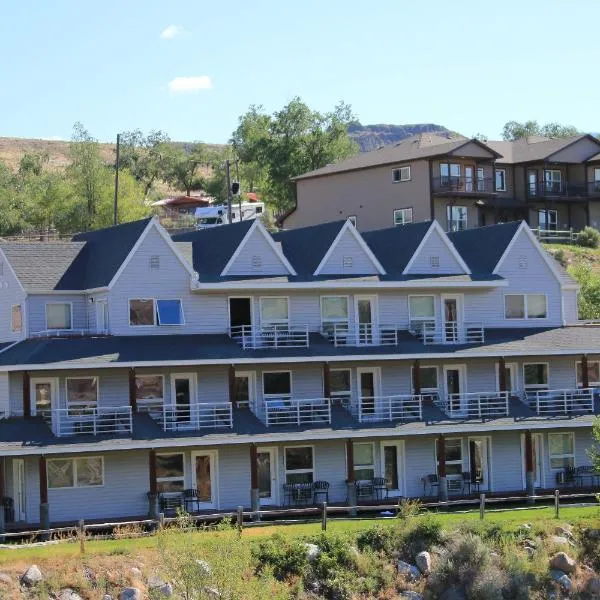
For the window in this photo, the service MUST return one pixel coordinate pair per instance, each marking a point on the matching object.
(403, 216)
(16, 318)
(155, 262)
(428, 378)
(82, 395)
(58, 315)
(170, 474)
(453, 452)
(334, 309)
(596, 183)
(277, 385)
(548, 219)
(347, 262)
(521, 306)
(593, 373)
(274, 311)
(401, 174)
(421, 308)
(552, 181)
(141, 312)
(561, 447)
(500, 180)
(149, 390)
(169, 312)
(364, 461)
(341, 385)
(449, 173)
(434, 261)
(256, 262)
(535, 376)
(480, 179)
(87, 471)
(299, 464)
(457, 218)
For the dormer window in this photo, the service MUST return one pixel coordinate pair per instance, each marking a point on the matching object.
(401, 174)
(347, 262)
(155, 262)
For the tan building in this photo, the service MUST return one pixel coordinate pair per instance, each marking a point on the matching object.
(462, 183)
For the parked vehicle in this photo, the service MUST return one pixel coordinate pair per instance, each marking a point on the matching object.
(213, 216)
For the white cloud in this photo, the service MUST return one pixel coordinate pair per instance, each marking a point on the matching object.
(172, 31)
(182, 85)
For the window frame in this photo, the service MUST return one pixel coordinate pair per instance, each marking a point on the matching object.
(75, 485)
(149, 401)
(450, 220)
(451, 462)
(153, 324)
(12, 324)
(536, 386)
(503, 187)
(184, 479)
(277, 322)
(336, 321)
(592, 384)
(346, 397)
(401, 171)
(69, 405)
(426, 390)
(402, 211)
(277, 396)
(550, 211)
(157, 316)
(70, 304)
(435, 309)
(561, 456)
(287, 471)
(526, 316)
(366, 466)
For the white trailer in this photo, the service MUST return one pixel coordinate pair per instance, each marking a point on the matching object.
(213, 216)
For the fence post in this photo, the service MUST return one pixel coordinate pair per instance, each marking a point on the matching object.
(324, 516)
(81, 532)
(240, 519)
(481, 506)
(161, 520)
(556, 503)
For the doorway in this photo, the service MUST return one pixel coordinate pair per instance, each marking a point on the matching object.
(451, 310)
(102, 315)
(204, 468)
(20, 497)
(538, 460)
(392, 461)
(454, 379)
(366, 319)
(44, 394)
(267, 476)
(469, 171)
(478, 462)
(244, 385)
(368, 386)
(240, 315)
(182, 395)
(511, 377)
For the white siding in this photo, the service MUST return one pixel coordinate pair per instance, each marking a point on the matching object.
(11, 293)
(348, 257)
(435, 248)
(570, 306)
(257, 246)
(36, 310)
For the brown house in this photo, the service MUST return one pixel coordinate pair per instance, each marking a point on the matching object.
(462, 183)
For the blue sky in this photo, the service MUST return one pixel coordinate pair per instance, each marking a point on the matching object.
(468, 65)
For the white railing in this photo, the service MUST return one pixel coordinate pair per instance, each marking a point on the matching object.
(450, 332)
(362, 334)
(280, 336)
(408, 407)
(68, 332)
(549, 235)
(564, 402)
(473, 405)
(294, 411)
(204, 415)
(77, 420)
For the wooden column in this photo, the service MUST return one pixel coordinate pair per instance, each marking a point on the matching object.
(152, 472)
(2, 486)
(502, 384)
(253, 467)
(326, 380)
(528, 452)
(585, 372)
(26, 395)
(43, 481)
(350, 461)
(416, 377)
(132, 391)
(231, 383)
(441, 455)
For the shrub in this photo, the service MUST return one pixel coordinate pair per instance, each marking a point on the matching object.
(589, 237)
(377, 539)
(426, 532)
(559, 256)
(285, 558)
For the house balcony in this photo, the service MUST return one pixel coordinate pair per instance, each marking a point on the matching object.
(85, 420)
(450, 332)
(297, 412)
(362, 334)
(275, 336)
(478, 405)
(371, 409)
(191, 417)
(562, 189)
(459, 185)
(568, 402)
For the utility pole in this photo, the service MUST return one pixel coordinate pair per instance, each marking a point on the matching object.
(116, 203)
(229, 197)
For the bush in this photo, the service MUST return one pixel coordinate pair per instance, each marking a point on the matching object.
(589, 237)
(285, 558)
(378, 539)
(426, 532)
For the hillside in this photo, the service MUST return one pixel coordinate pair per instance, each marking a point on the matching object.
(371, 137)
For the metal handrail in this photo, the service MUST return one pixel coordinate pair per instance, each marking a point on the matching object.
(297, 411)
(463, 183)
(68, 332)
(81, 419)
(475, 404)
(275, 336)
(563, 401)
(362, 334)
(406, 407)
(450, 332)
(201, 415)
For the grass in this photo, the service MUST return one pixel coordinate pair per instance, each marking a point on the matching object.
(574, 255)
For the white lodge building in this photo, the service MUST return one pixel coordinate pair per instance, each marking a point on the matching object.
(231, 367)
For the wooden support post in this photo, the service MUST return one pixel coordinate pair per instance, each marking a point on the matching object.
(502, 383)
(81, 534)
(441, 456)
(254, 491)
(240, 519)
(132, 391)
(43, 481)
(585, 372)
(416, 377)
(26, 395)
(556, 503)
(481, 506)
(2, 494)
(324, 516)
(529, 473)
(152, 471)
(350, 484)
(326, 380)
(231, 383)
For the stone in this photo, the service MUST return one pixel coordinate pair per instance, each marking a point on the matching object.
(135, 572)
(155, 581)
(562, 579)
(559, 540)
(5, 579)
(107, 597)
(562, 562)
(529, 551)
(68, 594)
(130, 593)
(212, 592)
(593, 534)
(32, 576)
(592, 586)
(204, 568)
(410, 595)
(312, 551)
(409, 571)
(423, 562)
(564, 531)
(453, 593)
(165, 590)
(530, 543)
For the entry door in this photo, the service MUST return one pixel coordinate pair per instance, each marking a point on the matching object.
(102, 315)
(511, 377)
(182, 394)
(240, 315)
(469, 179)
(548, 219)
(451, 312)
(478, 462)
(267, 476)
(19, 489)
(532, 180)
(243, 389)
(367, 388)
(392, 461)
(44, 394)
(538, 460)
(366, 318)
(454, 378)
(204, 469)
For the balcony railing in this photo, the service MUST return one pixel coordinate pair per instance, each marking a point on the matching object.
(476, 405)
(561, 402)
(276, 336)
(460, 184)
(68, 332)
(561, 189)
(362, 334)
(450, 332)
(186, 417)
(407, 407)
(293, 411)
(81, 420)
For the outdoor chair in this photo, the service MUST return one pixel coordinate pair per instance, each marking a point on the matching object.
(9, 509)
(364, 490)
(380, 487)
(320, 490)
(170, 504)
(430, 481)
(191, 501)
(303, 493)
(288, 494)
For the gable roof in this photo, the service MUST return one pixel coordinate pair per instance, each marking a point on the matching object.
(425, 145)
(534, 148)
(483, 247)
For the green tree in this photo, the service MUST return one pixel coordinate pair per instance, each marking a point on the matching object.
(513, 130)
(182, 166)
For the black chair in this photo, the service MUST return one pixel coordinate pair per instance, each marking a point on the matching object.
(432, 481)
(467, 482)
(320, 490)
(170, 504)
(380, 487)
(288, 494)
(9, 509)
(191, 501)
(364, 490)
(303, 493)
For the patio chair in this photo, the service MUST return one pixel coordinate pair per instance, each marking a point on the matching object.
(191, 501)
(288, 494)
(303, 493)
(169, 505)
(9, 509)
(320, 490)
(380, 487)
(364, 490)
(430, 481)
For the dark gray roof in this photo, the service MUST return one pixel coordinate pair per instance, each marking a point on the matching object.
(213, 247)
(483, 247)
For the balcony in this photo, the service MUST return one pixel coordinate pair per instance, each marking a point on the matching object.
(298, 412)
(276, 336)
(568, 402)
(82, 420)
(68, 332)
(371, 409)
(563, 189)
(191, 417)
(459, 185)
(362, 334)
(450, 332)
(478, 405)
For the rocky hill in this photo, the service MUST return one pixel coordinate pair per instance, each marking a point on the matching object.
(371, 137)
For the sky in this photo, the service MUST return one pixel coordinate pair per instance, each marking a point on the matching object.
(191, 67)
